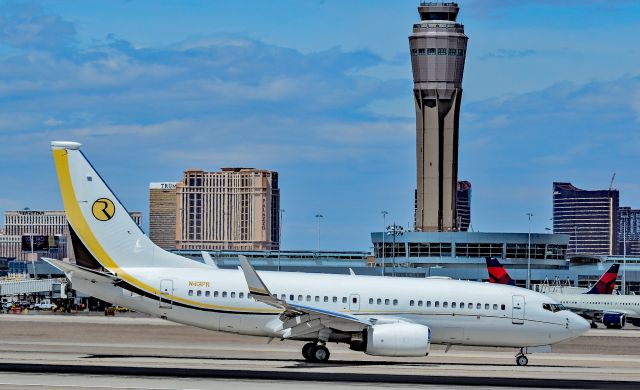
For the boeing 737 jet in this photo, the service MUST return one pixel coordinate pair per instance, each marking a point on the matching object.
(598, 303)
(378, 315)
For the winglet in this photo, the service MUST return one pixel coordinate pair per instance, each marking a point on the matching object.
(607, 282)
(257, 288)
(208, 260)
(497, 273)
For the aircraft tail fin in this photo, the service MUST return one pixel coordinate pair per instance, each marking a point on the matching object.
(100, 222)
(497, 273)
(607, 282)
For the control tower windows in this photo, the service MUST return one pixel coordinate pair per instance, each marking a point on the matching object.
(431, 51)
(414, 51)
(420, 52)
(442, 52)
(452, 52)
(460, 52)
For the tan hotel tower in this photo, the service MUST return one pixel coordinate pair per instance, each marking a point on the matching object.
(235, 208)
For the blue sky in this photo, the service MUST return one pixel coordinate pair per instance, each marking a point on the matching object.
(321, 92)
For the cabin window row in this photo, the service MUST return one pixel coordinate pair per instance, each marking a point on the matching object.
(432, 51)
(216, 294)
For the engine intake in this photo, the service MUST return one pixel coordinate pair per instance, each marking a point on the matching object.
(398, 339)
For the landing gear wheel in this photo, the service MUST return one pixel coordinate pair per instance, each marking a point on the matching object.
(319, 354)
(306, 351)
(522, 360)
(594, 325)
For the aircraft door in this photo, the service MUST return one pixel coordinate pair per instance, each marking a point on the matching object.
(517, 310)
(354, 302)
(166, 293)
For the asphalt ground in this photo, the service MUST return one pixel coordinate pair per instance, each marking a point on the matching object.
(78, 351)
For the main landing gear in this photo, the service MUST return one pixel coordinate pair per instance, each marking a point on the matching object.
(521, 359)
(315, 353)
(594, 325)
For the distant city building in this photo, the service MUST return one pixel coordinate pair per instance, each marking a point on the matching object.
(463, 201)
(438, 48)
(629, 231)
(44, 232)
(235, 208)
(162, 214)
(590, 218)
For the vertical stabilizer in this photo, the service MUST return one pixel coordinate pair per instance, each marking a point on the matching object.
(497, 273)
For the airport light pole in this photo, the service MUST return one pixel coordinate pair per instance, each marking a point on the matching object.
(529, 254)
(624, 255)
(318, 216)
(384, 227)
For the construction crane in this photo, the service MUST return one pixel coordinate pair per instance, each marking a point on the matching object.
(613, 177)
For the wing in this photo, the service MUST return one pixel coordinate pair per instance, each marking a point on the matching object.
(298, 320)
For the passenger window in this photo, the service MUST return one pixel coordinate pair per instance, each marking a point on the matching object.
(379, 301)
(462, 305)
(335, 299)
(215, 294)
(283, 297)
(395, 302)
(300, 298)
(354, 300)
(233, 294)
(479, 306)
(371, 301)
(495, 306)
(199, 293)
(190, 293)
(486, 306)
(207, 294)
(502, 307)
(445, 304)
(344, 299)
(317, 298)
(411, 302)
(428, 303)
(326, 299)
(308, 298)
(292, 297)
(241, 295)
(386, 302)
(453, 305)
(224, 294)
(469, 306)
(419, 303)
(437, 304)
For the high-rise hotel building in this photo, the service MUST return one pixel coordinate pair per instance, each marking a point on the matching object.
(235, 208)
(162, 214)
(629, 231)
(590, 218)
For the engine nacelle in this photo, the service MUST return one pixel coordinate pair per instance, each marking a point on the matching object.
(399, 339)
(613, 320)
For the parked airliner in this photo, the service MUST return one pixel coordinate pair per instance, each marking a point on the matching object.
(597, 303)
(384, 316)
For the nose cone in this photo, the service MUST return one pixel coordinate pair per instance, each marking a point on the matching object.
(578, 325)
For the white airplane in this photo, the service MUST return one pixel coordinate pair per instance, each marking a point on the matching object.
(598, 303)
(383, 316)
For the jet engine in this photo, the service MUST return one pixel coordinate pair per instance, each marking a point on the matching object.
(396, 339)
(613, 320)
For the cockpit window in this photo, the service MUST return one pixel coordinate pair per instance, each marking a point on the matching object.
(553, 307)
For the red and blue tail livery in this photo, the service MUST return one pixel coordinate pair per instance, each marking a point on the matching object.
(607, 282)
(497, 273)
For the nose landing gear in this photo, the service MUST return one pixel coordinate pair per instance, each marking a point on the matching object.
(315, 353)
(521, 359)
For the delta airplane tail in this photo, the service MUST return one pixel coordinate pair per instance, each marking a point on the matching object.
(103, 233)
(607, 282)
(497, 273)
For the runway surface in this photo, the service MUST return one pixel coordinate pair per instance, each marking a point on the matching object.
(142, 353)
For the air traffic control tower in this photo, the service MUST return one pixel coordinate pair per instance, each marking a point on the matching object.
(438, 48)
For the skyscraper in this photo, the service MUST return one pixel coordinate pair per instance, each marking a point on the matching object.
(438, 49)
(629, 231)
(590, 218)
(236, 208)
(162, 214)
